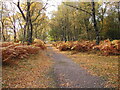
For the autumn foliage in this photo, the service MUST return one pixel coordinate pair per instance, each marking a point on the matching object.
(39, 43)
(106, 47)
(10, 50)
(74, 45)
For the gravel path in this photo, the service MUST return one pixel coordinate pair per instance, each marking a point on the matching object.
(69, 74)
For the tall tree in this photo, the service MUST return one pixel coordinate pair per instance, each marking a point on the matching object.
(28, 18)
(93, 17)
(95, 23)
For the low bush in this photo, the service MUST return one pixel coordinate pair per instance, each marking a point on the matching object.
(5, 44)
(11, 51)
(106, 47)
(39, 43)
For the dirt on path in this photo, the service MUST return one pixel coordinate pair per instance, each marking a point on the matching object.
(69, 74)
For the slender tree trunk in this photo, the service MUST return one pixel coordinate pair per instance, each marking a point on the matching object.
(102, 19)
(29, 22)
(24, 33)
(14, 28)
(36, 36)
(95, 23)
(2, 26)
(31, 32)
(3, 36)
(14, 34)
(0, 33)
(87, 29)
(12, 19)
(119, 13)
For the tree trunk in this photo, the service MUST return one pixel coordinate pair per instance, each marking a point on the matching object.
(87, 29)
(95, 23)
(3, 36)
(2, 26)
(31, 32)
(24, 33)
(29, 23)
(119, 13)
(14, 34)
(14, 28)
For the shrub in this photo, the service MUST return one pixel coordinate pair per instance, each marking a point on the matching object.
(106, 47)
(5, 44)
(39, 43)
(17, 51)
(109, 48)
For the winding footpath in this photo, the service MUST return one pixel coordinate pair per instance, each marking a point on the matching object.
(70, 75)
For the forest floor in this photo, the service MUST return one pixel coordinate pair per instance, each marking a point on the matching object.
(34, 72)
(55, 69)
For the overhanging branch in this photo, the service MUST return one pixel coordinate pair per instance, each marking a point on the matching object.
(78, 8)
(18, 5)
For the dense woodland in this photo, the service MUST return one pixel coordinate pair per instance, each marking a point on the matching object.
(87, 33)
(75, 21)
(25, 21)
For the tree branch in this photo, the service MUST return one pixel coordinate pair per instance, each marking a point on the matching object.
(39, 12)
(78, 8)
(18, 5)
